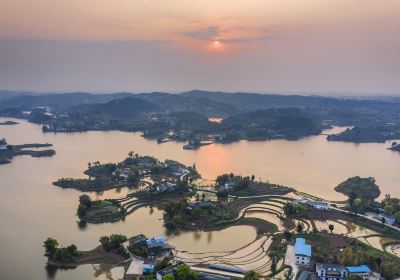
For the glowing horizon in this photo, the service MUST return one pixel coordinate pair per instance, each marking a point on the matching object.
(258, 45)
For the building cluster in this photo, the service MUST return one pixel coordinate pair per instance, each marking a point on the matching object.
(156, 249)
(326, 271)
(312, 203)
(164, 187)
(176, 168)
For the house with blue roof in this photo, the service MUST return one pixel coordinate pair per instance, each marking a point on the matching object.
(302, 252)
(148, 265)
(155, 242)
(361, 270)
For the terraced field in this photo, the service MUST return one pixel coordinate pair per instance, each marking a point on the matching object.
(254, 256)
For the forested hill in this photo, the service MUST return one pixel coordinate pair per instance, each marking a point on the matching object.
(254, 101)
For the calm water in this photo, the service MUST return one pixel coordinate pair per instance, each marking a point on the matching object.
(32, 209)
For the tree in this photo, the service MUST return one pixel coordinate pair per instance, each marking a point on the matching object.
(222, 179)
(183, 272)
(177, 219)
(288, 209)
(378, 261)
(251, 275)
(72, 250)
(397, 216)
(300, 210)
(253, 177)
(194, 166)
(299, 227)
(134, 178)
(168, 277)
(383, 220)
(105, 243)
(222, 194)
(85, 200)
(348, 256)
(287, 235)
(130, 154)
(331, 227)
(81, 210)
(117, 174)
(357, 204)
(50, 247)
(388, 209)
(116, 240)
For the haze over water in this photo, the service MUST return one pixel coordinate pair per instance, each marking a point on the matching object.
(33, 209)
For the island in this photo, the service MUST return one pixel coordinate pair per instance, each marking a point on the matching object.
(367, 134)
(110, 251)
(395, 147)
(201, 116)
(145, 173)
(7, 151)
(280, 215)
(99, 211)
(8, 123)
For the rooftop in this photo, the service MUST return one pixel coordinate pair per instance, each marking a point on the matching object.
(156, 241)
(358, 269)
(301, 248)
(330, 266)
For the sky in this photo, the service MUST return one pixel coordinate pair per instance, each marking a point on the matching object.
(345, 47)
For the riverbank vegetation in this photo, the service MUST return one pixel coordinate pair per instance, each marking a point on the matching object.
(110, 251)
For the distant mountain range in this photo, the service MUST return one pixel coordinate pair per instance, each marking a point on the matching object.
(212, 104)
(246, 115)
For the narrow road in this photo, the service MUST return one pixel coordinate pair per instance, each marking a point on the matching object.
(363, 216)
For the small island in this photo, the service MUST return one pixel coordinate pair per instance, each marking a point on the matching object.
(395, 147)
(359, 187)
(7, 151)
(110, 251)
(367, 134)
(99, 211)
(8, 123)
(141, 172)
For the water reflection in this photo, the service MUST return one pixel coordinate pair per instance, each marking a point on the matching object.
(30, 203)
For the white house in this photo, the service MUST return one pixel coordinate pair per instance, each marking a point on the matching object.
(302, 252)
(3, 147)
(318, 205)
(329, 271)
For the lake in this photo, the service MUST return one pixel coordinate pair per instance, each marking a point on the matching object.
(32, 209)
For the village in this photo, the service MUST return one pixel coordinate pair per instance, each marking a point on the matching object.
(299, 236)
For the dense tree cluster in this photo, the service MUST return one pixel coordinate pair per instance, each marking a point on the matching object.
(55, 253)
(359, 254)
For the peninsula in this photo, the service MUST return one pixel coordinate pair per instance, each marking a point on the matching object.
(7, 151)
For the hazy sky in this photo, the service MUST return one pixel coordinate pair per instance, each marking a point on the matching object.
(324, 46)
